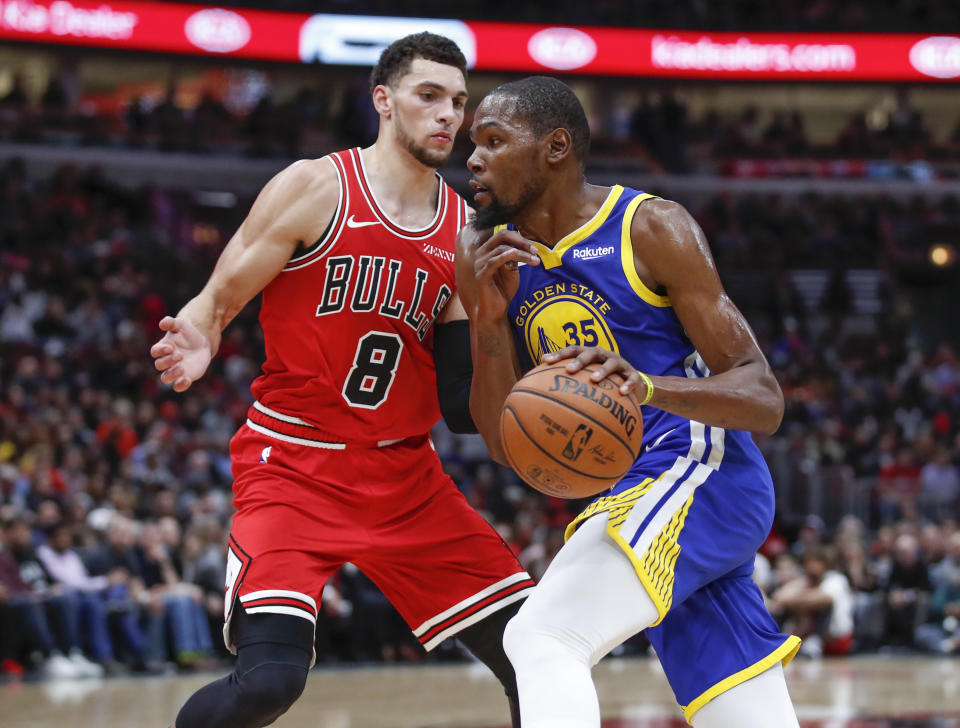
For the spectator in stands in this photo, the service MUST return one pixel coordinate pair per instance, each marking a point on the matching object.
(940, 486)
(49, 615)
(907, 590)
(182, 603)
(817, 606)
(90, 599)
(26, 629)
(941, 633)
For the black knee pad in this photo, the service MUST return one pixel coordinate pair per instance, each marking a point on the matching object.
(267, 691)
(485, 640)
(274, 654)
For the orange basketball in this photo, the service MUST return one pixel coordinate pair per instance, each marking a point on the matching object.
(568, 436)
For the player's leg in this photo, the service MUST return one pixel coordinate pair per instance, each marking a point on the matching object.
(589, 601)
(485, 640)
(274, 652)
(282, 549)
(760, 702)
(444, 568)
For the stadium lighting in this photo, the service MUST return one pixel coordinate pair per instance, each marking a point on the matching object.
(942, 255)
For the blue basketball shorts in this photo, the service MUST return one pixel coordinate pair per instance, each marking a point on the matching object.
(691, 528)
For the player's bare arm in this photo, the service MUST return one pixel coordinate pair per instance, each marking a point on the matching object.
(487, 279)
(453, 311)
(671, 254)
(293, 208)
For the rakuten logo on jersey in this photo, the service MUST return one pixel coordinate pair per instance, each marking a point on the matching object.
(217, 30)
(562, 48)
(592, 253)
(938, 56)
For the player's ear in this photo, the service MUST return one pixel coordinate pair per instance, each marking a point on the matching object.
(559, 145)
(383, 101)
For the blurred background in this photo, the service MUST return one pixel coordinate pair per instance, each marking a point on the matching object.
(824, 168)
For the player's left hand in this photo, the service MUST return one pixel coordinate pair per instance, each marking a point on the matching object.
(609, 361)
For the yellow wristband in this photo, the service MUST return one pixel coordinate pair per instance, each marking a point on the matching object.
(646, 380)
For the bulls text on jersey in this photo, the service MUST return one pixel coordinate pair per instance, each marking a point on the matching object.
(364, 290)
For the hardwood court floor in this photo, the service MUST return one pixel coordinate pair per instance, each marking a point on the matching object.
(864, 692)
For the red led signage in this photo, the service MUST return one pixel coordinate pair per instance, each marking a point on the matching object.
(519, 47)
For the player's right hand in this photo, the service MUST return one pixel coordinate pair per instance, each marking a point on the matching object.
(182, 355)
(495, 269)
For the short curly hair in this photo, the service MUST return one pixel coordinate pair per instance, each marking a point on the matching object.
(396, 58)
(544, 103)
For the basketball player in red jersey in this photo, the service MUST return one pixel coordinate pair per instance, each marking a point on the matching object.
(366, 344)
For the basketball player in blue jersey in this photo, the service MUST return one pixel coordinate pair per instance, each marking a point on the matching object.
(554, 268)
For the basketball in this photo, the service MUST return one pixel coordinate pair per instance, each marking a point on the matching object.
(568, 436)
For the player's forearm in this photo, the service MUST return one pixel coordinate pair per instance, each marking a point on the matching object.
(809, 600)
(494, 374)
(743, 398)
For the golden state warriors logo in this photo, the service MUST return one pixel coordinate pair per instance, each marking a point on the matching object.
(558, 321)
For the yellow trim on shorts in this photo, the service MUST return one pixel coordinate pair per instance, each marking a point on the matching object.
(618, 505)
(660, 559)
(784, 653)
(626, 256)
(656, 568)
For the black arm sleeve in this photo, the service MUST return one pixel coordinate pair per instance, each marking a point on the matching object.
(451, 355)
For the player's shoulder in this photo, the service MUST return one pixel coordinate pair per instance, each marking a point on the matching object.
(308, 175)
(308, 184)
(657, 212)
(655, 216)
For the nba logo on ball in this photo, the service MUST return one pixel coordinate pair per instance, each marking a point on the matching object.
(569, 436)
(577, 442)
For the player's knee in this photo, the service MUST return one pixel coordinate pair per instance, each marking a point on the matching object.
(528, 642)
(485, 640)
(513, 637)
(269, 690)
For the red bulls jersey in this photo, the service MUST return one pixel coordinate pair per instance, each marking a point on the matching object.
(348, 323)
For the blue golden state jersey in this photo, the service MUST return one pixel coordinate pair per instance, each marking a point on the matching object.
(698, 502)
(587, 292)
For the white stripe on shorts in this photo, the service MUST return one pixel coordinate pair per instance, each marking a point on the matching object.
(284, 593)
(472, 599)
(701, 471)
(280, 609)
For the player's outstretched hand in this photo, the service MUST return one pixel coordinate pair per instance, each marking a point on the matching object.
(610, 362)
(182, 355)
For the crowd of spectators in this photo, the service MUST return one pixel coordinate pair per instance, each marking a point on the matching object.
(662, 128)
(115, 492)
(658, 134)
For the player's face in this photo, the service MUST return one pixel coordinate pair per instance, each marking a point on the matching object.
(427, 107)
(505, 163)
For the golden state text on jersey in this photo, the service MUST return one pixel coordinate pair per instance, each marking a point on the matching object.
(348, 323)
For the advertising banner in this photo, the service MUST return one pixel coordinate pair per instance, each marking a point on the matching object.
(357, 40)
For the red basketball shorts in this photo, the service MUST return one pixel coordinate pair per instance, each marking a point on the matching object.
(302, 511)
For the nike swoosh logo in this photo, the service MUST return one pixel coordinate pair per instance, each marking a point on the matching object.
(656, 442)
(351, 223)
